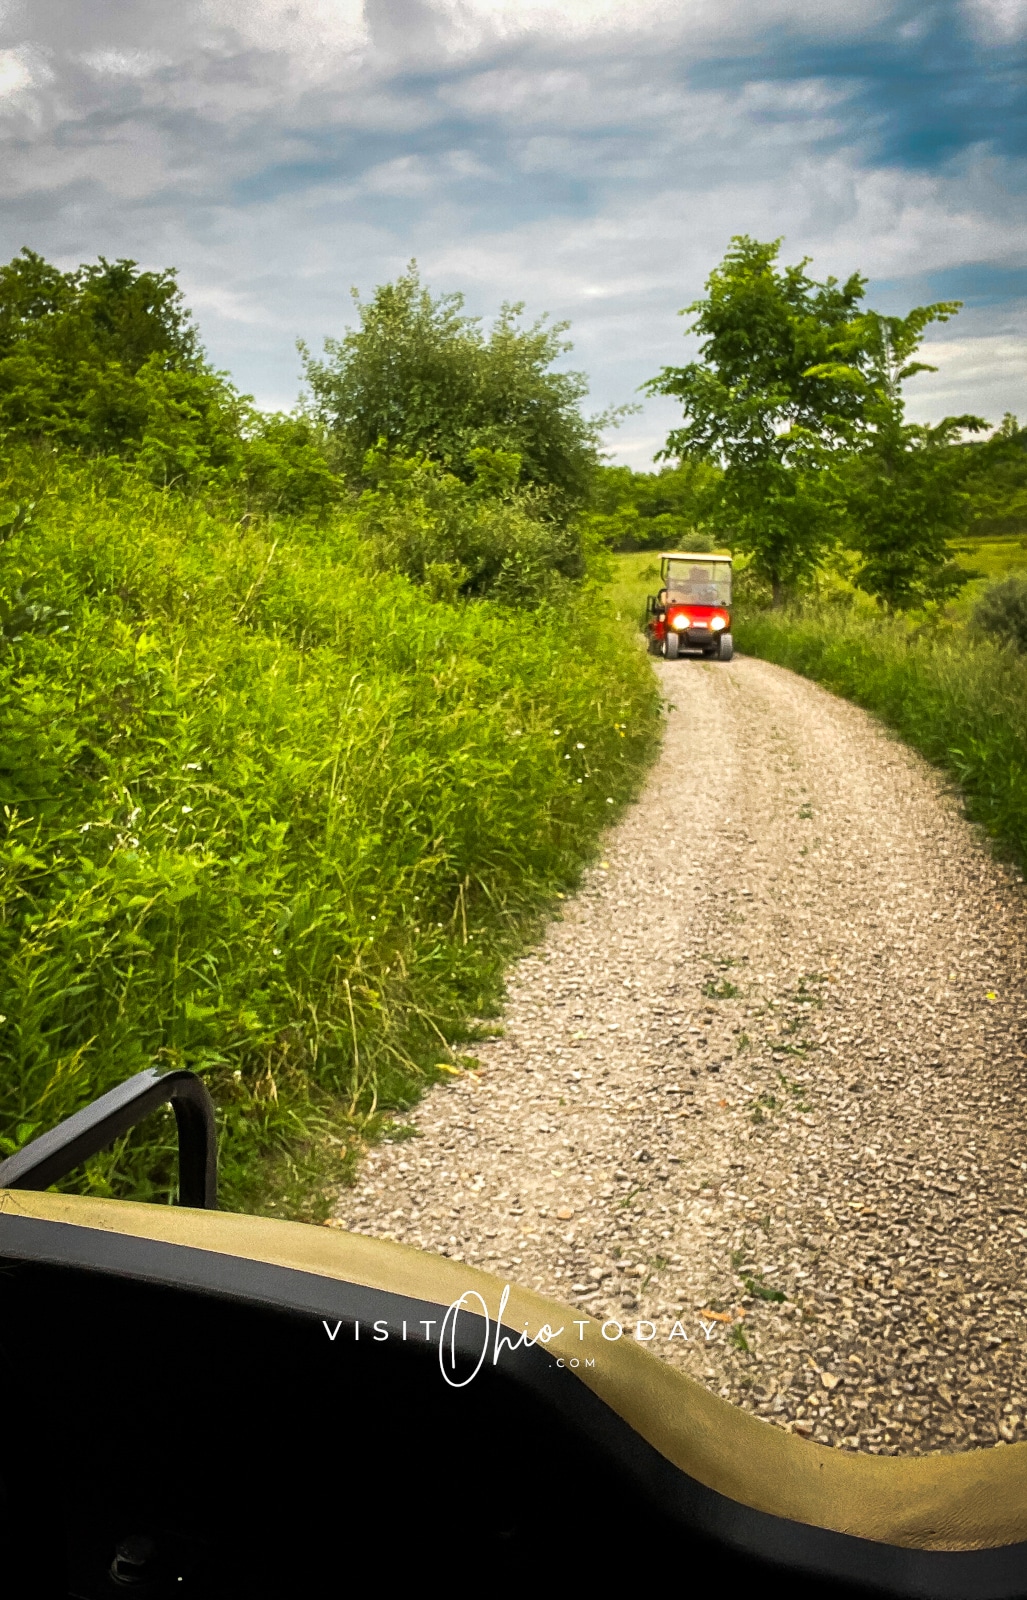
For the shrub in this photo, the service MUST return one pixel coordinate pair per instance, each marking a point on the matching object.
(1002, 612)
(484, 538)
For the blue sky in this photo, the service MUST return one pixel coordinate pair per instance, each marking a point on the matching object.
(591, 159)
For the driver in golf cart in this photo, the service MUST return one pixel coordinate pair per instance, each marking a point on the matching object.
(691, 613)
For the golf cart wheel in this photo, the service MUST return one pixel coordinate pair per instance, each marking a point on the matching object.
(727, 647)
(670, 646)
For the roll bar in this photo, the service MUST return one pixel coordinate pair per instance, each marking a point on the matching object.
(53, 1155)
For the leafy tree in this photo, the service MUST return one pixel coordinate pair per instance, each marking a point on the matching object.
(755, 405)
(904, 489)
(423, 377)
(654, 510)
(905, 499)
(107, 359)
(103, 312)
(799, 396)
(997, 481)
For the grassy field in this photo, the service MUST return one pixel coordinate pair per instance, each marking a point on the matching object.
(276, 818)
(993, 559)
(633, 577)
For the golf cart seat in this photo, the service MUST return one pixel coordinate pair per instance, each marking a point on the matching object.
(208, 1404)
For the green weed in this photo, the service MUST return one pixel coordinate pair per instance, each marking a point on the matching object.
(762, 1291)
(274, 817)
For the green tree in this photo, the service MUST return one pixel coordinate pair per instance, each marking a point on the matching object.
(997, 481)
(756, 404)
(904, 489)
(798, 394)
(107, 360)
(654, 510)
(423, 377)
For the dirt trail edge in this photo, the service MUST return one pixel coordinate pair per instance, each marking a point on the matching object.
(760, 1094)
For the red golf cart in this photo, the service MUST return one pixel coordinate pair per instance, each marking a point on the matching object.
(691, 615)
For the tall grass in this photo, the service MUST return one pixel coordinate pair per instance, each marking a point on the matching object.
(960, 700)
(274, 818)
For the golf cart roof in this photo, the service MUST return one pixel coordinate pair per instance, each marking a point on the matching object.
(692, 555)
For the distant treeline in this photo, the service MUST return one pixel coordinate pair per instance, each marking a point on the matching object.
(470, 451)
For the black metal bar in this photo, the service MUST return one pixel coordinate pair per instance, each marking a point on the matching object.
(53, 1155)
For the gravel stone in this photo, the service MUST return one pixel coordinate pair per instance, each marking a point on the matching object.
(773, 1048)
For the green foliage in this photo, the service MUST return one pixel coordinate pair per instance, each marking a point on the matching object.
(903, 488)
(102, 314)
(662, 510)
(106, 360)
(270, 815)
(424, 378)
(755, 396)
(1002, 612)
(961, 701)
(904, 500)
(757, 404)
(799, 395)
(997, 482)
(86, 356)
(486, 537)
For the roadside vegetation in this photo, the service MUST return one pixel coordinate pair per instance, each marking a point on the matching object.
(959, 699)
(306, 719)
(884, 558)
(296, 743)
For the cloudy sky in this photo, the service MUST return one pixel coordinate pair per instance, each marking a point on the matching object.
(589, 157)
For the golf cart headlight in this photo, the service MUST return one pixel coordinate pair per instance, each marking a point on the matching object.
(718, 622)
(681, 621)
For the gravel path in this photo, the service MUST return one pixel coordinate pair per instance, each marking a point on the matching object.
(761, 1085)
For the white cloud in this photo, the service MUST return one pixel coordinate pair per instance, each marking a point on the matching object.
(982, 375)
(997, 20)
(122, 63)
(15, 72)
(591, 159)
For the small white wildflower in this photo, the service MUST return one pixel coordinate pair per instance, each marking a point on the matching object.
(186, 810)
(192, 766)
(515, 733)
(609, 800)
(275, 950)
(136, 811)
(85, 827)
(579, 747)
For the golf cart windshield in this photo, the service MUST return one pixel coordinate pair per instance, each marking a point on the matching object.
(705, 583)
